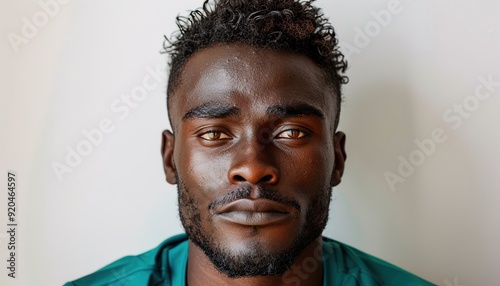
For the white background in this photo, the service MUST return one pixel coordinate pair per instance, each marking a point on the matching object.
(441, 223)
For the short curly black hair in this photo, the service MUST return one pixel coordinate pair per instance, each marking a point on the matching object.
(288, 25)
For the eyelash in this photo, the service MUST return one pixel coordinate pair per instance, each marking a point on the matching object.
(216, 132)
(302, 134)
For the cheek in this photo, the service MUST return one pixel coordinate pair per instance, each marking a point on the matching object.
(202, 170)
(308, 172)
(313, 164)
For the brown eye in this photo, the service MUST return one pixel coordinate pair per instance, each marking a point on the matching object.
(213, 135)
(291, 134)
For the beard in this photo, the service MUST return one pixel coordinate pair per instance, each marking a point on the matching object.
(254, 260)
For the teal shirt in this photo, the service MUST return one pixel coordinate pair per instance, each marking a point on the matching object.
(166, 265)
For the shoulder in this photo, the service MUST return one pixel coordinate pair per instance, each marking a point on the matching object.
(153, 265)
(356, 267)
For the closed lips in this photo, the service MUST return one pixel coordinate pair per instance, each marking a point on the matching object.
(258, 205)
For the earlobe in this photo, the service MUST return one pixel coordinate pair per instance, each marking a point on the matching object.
(167, 151)
(340, 157)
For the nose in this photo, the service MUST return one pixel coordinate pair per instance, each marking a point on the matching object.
(254, 164)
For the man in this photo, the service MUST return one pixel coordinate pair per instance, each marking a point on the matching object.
(254, 99)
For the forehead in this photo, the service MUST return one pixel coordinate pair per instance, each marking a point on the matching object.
(240, 74)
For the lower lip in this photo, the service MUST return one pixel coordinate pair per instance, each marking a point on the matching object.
(255, 218)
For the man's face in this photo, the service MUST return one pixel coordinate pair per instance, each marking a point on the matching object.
(254, 155)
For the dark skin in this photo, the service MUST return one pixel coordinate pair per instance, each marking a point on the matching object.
(247, 117)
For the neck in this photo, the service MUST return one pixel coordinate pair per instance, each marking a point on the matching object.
(307, 269)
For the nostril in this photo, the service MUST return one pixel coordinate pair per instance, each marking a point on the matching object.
(253, 172)
(266, 178)
(239, 178)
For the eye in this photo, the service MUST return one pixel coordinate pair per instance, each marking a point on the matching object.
(292, 134)
(214, 135)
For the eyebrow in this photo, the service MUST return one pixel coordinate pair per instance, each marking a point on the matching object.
(211, 110)
(221, 110)
(300, 109)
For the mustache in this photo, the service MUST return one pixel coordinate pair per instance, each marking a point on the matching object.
(244, 193)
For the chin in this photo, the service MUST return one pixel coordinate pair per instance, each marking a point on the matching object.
(252, 259)
(269, 239)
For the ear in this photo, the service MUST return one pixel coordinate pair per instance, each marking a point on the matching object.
(167, 152)
(340, 157)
